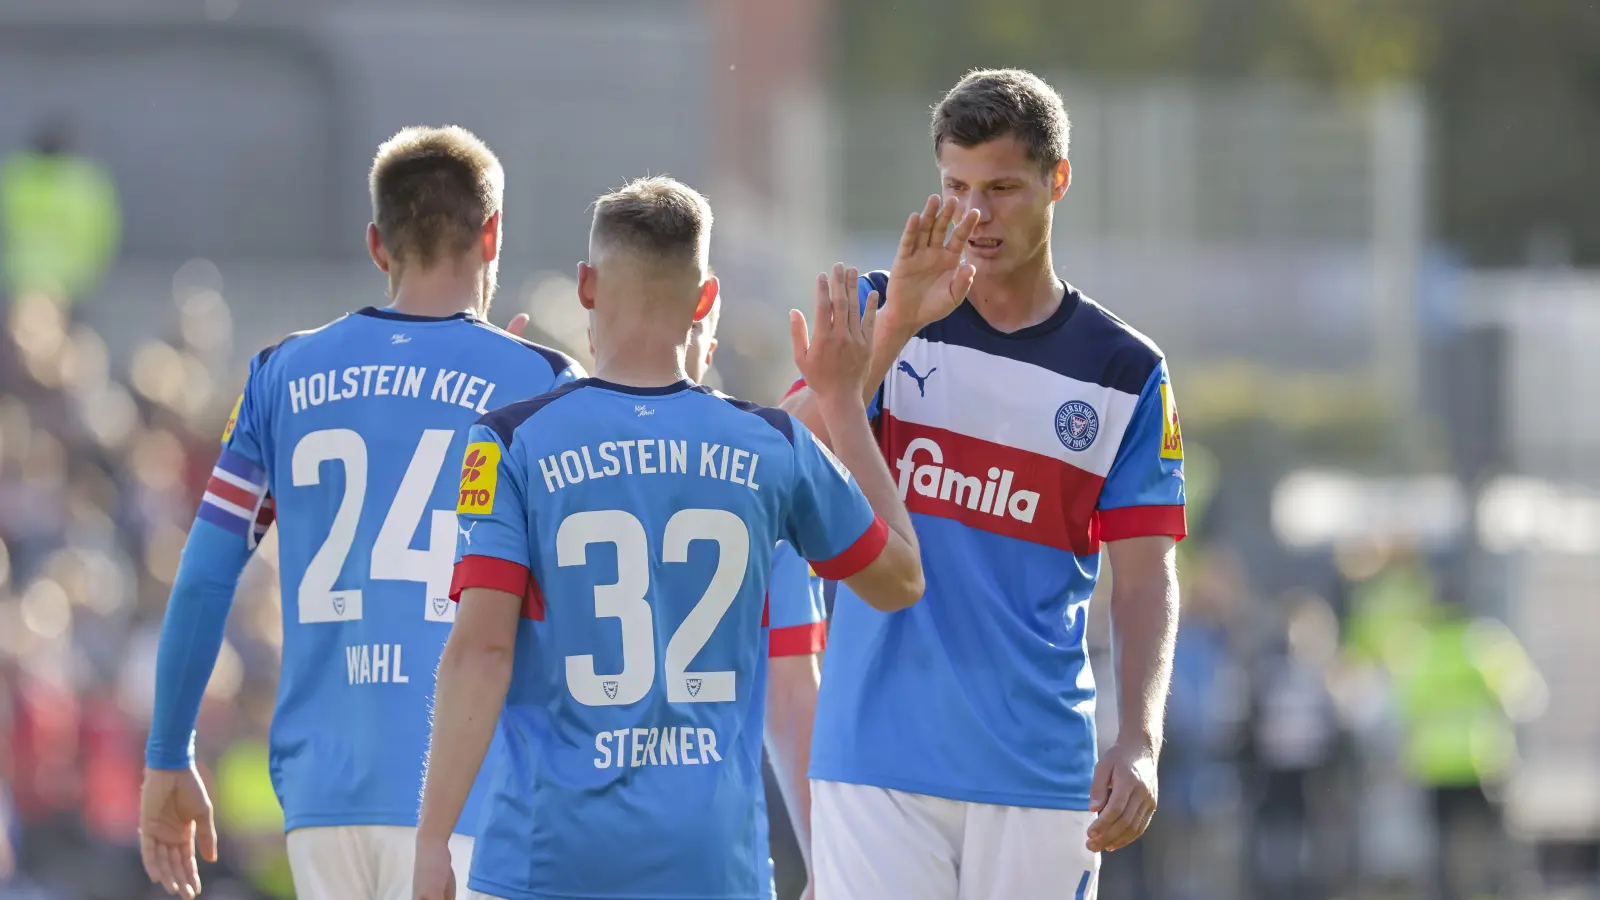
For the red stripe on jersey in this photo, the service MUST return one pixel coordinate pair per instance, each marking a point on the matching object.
(798, 640)
(267, 514)
(238, 496)
(499, 575)
(992, 487)
(858, 555)
(1141, 521)
(766, 610)
(794, 389)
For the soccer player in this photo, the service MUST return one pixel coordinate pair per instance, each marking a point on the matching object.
(345, 431)
(629, 523)
(795, 639)
(1028, 427)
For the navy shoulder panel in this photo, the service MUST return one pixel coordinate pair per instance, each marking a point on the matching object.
(507, 419)
(557, 360)
(266, 352)
(777, 418)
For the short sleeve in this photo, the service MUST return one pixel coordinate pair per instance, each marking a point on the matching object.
(492, 548)
(830, 521)
(796, 606)
(1143, 492)
(865, 285)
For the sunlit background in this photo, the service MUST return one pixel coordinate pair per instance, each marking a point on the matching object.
(1358, 228)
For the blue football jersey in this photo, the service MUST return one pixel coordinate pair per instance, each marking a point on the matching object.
(639, 527)
(354, 430)
(1019, 455)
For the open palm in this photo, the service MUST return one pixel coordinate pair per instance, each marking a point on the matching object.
(928, 279)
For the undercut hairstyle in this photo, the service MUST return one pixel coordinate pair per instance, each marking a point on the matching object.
(433, 189)
(992, 103)
(659, 218)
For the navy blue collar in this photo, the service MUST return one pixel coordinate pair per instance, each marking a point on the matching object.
(396, 315)
(662, 391)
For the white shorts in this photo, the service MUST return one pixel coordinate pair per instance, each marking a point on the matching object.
(363, 862)
(868, 843)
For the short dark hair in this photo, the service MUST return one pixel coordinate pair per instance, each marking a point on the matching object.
(659, 217)
(432, 191)
(992, 103)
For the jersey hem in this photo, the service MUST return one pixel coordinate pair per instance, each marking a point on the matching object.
(325, 820)
(1074, 802)
(484, 886)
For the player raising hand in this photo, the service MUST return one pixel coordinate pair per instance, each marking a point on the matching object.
(612, 594)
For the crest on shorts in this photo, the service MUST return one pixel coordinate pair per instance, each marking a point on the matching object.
(1077, 424)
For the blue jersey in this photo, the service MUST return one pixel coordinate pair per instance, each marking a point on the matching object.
(1018, 455)
(354, 431)
(639, 526)
(798, 621)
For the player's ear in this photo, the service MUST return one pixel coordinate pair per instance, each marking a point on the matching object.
(375, 248)
(1060, 180)
(588, 283)
(711, 351)
(490, 238)
(708, 297)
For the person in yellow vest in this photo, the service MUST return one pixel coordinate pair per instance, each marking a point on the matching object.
(60, 219)
(1462, 683)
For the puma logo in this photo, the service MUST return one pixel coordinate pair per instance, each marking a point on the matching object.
(921, 380)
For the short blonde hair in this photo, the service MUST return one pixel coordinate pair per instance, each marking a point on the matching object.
(658, 217)
(433, 189)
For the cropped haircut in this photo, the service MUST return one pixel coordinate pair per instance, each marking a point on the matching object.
(992, 103)
(657, 217)
(432, 191)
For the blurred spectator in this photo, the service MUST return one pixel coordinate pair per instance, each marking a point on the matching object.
(60, 220)
(1462, 682)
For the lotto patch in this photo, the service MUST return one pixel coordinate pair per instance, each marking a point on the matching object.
(233, 419)
(480, 471)
(1171, 432)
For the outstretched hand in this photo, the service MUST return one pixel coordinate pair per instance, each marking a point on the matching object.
(928, 279)
(834, 360)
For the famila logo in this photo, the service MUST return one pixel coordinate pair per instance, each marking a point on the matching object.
(933, 480)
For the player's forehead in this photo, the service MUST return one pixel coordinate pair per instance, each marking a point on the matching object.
(1003, 158)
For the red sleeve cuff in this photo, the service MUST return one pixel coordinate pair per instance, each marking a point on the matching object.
(797, 640)
(499, 575)
(794, 388)
(1142, 521)
(858, 555)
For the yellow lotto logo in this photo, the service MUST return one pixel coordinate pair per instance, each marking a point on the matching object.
(1171, 432)
(479, 472)
(233, 419)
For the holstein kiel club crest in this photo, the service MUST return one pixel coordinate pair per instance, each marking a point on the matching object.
(1077, 425)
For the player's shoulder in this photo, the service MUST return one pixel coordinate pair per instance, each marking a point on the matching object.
(555, 359)
(1127, 357)
(507, 420)
(776, 419)
(296, 341)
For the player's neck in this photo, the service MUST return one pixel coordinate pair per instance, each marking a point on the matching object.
(1019, 299)
(639, 355)
(439, 292)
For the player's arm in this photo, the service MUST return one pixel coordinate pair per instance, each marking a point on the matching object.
(928, 281)
(883, 566)
(796, 637)
(493, 585)
(474, 674)
(175, 810)
(1141, 519)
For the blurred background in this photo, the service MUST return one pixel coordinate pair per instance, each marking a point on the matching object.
(1365, 232)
